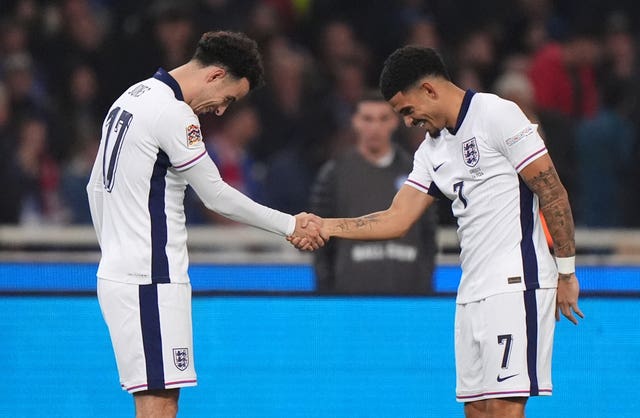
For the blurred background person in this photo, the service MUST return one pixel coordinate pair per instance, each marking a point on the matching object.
(620, 87)
(34, 177)
(298, 122)
(75, 174)
(563, 73)
(360, 181)
(605, 154)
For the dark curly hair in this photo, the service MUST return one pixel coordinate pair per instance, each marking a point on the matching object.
(406, 65)
(234, 51)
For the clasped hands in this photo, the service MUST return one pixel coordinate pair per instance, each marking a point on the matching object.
(308, 235)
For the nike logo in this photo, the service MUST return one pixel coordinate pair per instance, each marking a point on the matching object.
(502, 379)
(438, 167)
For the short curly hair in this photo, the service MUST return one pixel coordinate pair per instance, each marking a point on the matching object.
(234, 51)
(406, 65)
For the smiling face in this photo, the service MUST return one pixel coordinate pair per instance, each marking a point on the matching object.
(219, 90)
(420, 106)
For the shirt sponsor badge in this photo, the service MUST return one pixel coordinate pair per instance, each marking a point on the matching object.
(194, 137)
(520, 135)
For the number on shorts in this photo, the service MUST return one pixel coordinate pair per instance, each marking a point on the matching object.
(119, 125)
(506, 341)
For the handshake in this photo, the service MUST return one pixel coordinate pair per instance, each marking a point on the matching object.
(309, 234)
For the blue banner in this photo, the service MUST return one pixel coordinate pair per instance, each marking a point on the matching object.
(81, 277)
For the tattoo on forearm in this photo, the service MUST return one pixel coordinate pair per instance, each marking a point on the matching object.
(357, 223)
(554, 204)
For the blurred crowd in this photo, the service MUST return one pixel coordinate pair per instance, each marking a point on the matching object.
(572, 66)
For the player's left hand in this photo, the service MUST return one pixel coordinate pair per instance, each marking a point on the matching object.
(567, 299)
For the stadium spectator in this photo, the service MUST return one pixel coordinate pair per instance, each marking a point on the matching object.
(75, 175)
(422, 30)
(361, 180)
(81, 107)
(35, 174)
(605, 152)
(27, 92)
(563, 75)
(476, 59)
(297, 126)
(620, 70)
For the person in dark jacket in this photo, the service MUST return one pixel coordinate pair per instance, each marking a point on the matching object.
(363, 180)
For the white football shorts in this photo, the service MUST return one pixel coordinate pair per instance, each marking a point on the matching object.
(151, 333)
(503, 345)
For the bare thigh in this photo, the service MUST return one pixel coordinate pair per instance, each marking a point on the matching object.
(496, 408)
(156, 403)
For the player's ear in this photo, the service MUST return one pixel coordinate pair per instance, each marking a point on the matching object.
(429, 89)
(215, 73)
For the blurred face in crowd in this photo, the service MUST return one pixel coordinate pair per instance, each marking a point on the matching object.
(219, 90)
(420, 106)
(374, 123)
(243, 125)
(582, 51)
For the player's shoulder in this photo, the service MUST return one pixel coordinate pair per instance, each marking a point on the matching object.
(178, 111)
(492, 112)
(426, 144)
(492, 102)
(170, 111)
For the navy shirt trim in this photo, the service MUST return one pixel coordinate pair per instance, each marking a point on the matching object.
(466, 102)
(167, 79)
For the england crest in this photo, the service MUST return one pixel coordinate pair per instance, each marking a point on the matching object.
(470, 152)
(181, 358)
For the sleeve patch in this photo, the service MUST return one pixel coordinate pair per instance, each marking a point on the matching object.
(520, 135)
(194, 137)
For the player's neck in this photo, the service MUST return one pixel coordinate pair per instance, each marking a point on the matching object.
(184, 75)
(455, 97)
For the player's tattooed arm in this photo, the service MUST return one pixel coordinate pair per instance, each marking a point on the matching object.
(541, 177)
(363, 222)
(407, 207)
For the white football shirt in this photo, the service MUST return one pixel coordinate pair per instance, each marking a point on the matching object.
(151, 141)
(476, 165)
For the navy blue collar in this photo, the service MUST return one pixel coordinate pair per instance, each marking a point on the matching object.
(167, 79)
(463, 111)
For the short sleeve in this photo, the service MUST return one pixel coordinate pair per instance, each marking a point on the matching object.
(179, 136)
(513, 135)
(419, 178)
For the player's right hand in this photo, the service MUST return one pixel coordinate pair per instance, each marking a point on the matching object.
(567, 299)
(307, 236)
